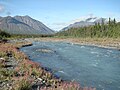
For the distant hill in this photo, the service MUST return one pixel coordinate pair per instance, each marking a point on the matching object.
(86, 22)
(111, 29)
(23, 25)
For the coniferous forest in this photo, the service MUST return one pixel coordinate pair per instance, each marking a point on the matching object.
(109, 30)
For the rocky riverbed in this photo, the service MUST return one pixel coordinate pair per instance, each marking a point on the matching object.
(100, 42)
(17, 72)
(16, 69)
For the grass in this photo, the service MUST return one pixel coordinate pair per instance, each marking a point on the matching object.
(6, 74)
(24, 85)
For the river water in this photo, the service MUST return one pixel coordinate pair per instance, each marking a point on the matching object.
(88, 65)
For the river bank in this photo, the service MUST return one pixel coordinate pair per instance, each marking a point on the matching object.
(18, 72)
(99, 42)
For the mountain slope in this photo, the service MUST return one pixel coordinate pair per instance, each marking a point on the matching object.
(23, 25)
(86, 22)
(103, 30)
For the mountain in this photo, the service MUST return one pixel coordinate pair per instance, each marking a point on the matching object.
(86, 22)
(23, 25)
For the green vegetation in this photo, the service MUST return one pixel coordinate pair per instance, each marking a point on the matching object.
(109, 30)
(4, 35)
(15, 36)
(26, 73)
(5, 74)
(24, 85)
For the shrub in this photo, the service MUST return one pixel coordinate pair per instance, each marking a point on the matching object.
(24, 85)
(4, 34)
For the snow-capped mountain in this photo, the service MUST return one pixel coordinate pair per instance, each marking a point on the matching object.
(88, 21)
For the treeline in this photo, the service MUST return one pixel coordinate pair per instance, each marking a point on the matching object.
(110, 30)
(4, 35)
(29, 36)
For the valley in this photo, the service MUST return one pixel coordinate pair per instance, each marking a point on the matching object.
(54, 59)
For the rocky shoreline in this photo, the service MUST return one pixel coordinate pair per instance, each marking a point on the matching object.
(14, 63)
(18, 72)
(16, 69)
(99, 42)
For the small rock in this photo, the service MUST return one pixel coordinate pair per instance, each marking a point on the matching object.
(2, 59)
(10, 88)
(43, 81)
(7, 84)
(45, 50)
(40, 79)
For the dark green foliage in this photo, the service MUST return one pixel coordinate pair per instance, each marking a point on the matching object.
(4, 34)
(110, 30)
(109, 21)
(30, 36)
(114, 21)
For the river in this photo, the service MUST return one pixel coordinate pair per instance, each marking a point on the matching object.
(88, 65)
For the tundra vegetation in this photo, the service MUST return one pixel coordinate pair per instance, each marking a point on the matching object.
(17, 72)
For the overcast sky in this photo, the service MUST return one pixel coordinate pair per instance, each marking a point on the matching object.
(57, 14)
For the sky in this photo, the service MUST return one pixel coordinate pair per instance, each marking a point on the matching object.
(57, 14)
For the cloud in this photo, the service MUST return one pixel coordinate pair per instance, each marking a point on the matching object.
(82, 18)
(8, 13)
(61, 25)
(2, 8)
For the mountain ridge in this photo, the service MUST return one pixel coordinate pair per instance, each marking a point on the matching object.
(86, 22)
(23, 25)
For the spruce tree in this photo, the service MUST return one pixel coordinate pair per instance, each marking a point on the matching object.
(114, 21)
(109, 21)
